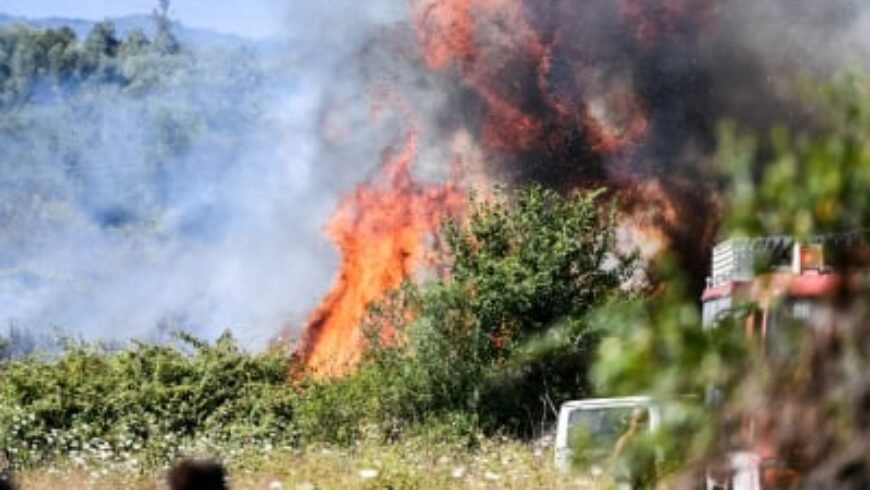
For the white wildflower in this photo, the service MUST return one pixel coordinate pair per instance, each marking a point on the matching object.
(368, 473)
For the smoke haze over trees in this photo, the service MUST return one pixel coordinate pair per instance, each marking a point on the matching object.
(142, 179)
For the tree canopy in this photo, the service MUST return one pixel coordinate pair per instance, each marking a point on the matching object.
(40, 64)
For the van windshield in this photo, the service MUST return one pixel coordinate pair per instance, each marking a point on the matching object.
(595, 434)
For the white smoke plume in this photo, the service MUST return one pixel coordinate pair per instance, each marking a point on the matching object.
(197, 206)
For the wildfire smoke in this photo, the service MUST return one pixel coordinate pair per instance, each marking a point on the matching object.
(625, 94)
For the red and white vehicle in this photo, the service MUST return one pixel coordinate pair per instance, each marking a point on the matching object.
(773, 280)
(778, 282)
(794, 277)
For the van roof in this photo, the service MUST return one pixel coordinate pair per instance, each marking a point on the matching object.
(607, 402)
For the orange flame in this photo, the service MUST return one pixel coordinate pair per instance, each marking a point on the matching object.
(381, 231)
(549, 96)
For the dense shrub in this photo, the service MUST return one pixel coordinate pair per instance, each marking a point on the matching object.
(144, 404)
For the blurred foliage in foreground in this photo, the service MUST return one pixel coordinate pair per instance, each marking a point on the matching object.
(811, 407)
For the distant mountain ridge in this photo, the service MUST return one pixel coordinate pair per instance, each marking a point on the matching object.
(124, 25)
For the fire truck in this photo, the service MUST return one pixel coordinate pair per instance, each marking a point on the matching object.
(777, 284)
(780, 277)
(774, 282)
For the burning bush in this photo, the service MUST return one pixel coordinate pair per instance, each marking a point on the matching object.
(501, 338)
(624, 94)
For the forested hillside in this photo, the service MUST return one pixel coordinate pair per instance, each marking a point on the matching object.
(118, 149)
(124, 26)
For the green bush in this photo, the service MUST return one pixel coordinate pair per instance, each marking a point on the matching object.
(143, 405)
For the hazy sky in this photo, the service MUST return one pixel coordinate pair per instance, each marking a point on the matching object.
(251, 18)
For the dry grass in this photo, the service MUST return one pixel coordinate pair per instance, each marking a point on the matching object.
(497, 464)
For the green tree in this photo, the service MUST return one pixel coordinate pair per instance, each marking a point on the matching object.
(136, 43)
(24, 63)
(98, 62)
(102, 40)
(63, 56)
(4, 350)
(164, 40)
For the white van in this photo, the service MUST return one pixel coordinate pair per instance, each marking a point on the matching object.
(604, 421)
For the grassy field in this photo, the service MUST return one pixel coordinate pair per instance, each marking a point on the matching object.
(495, 464)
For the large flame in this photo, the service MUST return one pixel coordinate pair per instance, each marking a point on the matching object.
(380, 230)
(571, 94)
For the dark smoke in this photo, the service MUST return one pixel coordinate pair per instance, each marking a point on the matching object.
(553, 91)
